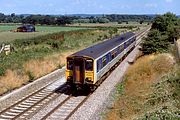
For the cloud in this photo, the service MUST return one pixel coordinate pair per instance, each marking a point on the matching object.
(169, 1)
(151, 5)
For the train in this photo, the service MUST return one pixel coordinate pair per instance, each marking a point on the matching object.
(86, 67)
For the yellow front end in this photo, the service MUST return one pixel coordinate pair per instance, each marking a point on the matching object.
(89, 77)
(80, 70)
(69, 70)
(69, 74)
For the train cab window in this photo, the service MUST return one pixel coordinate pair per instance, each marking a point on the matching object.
(70, 65)
(89, 65)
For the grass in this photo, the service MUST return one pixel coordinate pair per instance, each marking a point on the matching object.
(7, 34)
(33, 58)
(150, 90)
(37, 56)
(111, 24)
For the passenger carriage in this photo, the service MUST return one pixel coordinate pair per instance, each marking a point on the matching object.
(87, 66)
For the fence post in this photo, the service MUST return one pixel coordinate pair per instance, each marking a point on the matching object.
(2, 48)
(177, 48)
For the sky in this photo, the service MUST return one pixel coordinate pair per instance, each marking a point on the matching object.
(89, 6)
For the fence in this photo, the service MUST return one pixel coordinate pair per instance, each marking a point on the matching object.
(177, 45)
(2, 48)
(5, 48)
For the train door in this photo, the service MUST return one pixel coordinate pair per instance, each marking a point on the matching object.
(78, 71)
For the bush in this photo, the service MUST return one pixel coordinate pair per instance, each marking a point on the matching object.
(168, 24)
(55, 44)
(31, 76)
(2, 71)
(155, 42)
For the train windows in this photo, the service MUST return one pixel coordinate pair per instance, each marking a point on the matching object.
(121, 48)
(113, 54)
(107, 58)
(132, 40)
(89, 65)
(99, 62)
(126, 44)
(104, 61)
(70, 65)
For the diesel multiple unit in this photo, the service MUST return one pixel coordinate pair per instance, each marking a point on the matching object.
(87, 66)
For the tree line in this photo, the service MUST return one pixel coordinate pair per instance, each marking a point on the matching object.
(62, 20)
(165, 29)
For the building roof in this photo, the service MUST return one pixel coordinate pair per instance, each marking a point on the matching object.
(97, 50)
(27, 26)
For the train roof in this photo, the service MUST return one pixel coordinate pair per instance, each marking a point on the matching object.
(99, 49)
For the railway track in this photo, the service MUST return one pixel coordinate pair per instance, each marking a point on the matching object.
(30, 104)
(65, 109)
(67, 102)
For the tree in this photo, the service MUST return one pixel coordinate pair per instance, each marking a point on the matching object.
(13, 15)
(155, 42)
(119, 22)
(63, 20)
(164, 21)
(2, 17)
(168, 24)
(141, 21)
(103, 20)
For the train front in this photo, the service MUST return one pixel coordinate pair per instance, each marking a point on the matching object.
(80, 70)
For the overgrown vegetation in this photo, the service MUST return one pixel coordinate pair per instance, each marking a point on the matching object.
(149, 91)
(34, 57)
(165, 29)
(151, 86)
(165, 98)
(39, 47)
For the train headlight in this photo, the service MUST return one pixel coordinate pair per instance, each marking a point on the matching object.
(69, 78)
(88, 80)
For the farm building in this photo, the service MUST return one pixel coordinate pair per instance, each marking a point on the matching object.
(26, 28)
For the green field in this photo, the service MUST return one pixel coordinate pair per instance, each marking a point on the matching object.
(111, 24)
(7, 34)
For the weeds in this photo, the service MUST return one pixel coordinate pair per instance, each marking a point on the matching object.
(145, 88)
(31, 76)
(42, 55)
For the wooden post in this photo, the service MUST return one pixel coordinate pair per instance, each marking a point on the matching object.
(177, 48)
(7, 49)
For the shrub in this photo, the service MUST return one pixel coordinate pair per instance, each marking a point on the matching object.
(31, 76)
(155, 42)
(2, 71)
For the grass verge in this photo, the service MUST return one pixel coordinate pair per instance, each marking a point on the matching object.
(33, 58)
(150, 90)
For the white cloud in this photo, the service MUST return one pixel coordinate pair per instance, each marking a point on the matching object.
(169, 1)
(151, 5)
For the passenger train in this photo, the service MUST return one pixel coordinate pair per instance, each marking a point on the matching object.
(89, 65)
